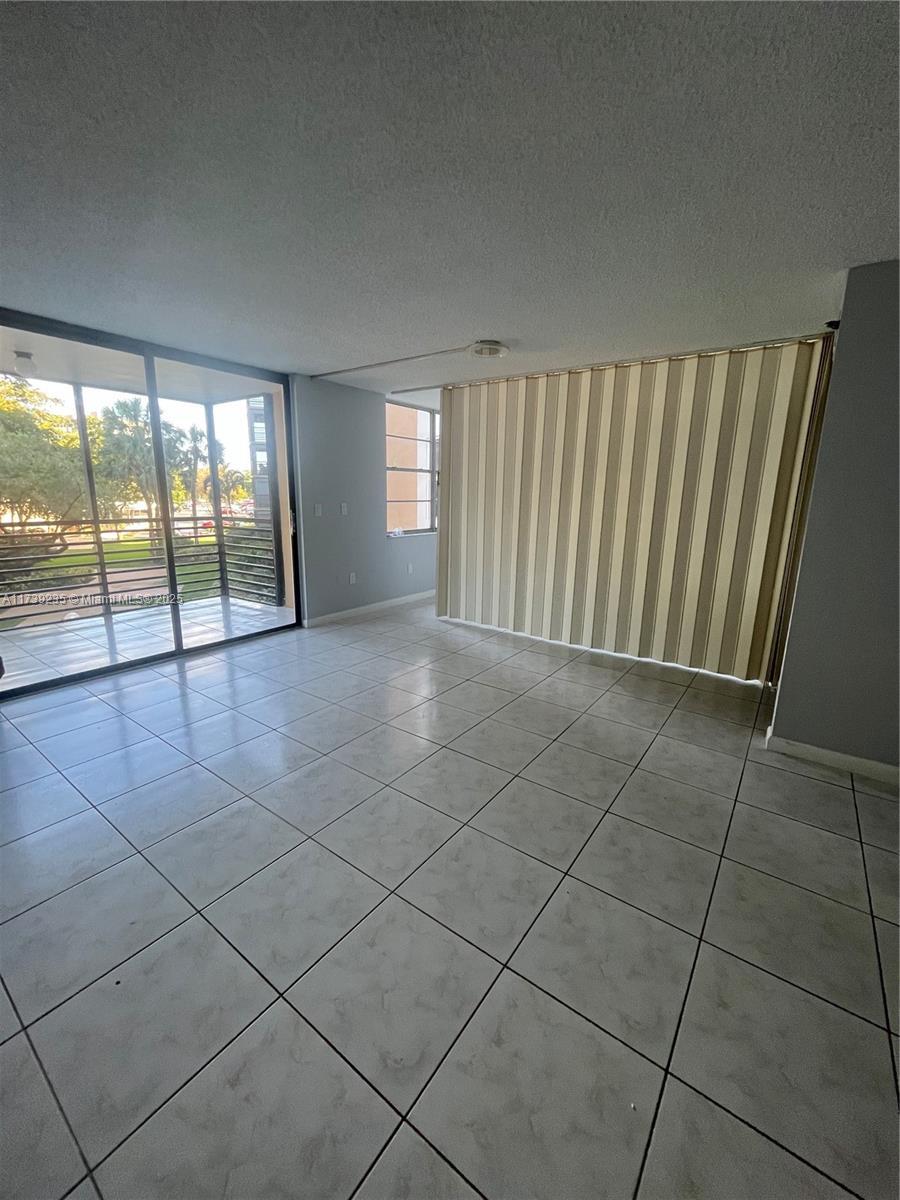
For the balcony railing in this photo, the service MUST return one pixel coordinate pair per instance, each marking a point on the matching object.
(51, 570)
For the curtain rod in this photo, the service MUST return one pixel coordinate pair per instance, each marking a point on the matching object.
(628, 362)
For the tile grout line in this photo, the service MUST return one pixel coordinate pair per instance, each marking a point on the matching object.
(477, 1190)
(381, 1153)
(138, 853)
(684, 1001)
(505, 964)
(629, 903)
(184, 1084)
(801, 886)
(25, 1029)
(667, 1071)
(83, 678)
(98, 805)
(279, 994)
(445, 745)
(768, 1137)
(53, 1093)
(391, 785)
(563, 664)
(878, 963)
(515, 775)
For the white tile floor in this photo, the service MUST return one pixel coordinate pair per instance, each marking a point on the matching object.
(39, 653)
(398, 908)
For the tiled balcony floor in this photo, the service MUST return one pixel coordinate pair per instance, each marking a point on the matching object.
(37, 653)
(399, 908)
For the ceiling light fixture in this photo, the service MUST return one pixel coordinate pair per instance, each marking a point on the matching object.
(483, 348)
(489, 349)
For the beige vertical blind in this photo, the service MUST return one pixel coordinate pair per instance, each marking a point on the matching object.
(643, 507)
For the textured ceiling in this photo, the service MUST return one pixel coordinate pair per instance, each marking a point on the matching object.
(308, 186)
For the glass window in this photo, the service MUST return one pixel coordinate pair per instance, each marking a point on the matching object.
(232, 548)
(83, 577)
(411, 465)
(141, 502)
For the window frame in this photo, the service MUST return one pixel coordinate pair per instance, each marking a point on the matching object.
(153, 353)
(433, 471)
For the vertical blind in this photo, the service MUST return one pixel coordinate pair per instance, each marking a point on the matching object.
(642, 507)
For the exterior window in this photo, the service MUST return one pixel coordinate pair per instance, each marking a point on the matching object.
(411, 443)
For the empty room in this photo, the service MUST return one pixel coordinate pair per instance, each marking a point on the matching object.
(449, 600)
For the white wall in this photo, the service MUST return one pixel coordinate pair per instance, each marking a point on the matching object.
(341, 457)
(838, 688)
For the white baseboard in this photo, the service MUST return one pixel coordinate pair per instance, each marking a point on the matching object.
(367, 608)
(883, 772)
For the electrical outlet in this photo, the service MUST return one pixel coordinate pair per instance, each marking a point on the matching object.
(344, 508)
(317, 510)
(409, 568)
(353, 577)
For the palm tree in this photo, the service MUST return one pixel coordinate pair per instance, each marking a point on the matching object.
(124, 461)
(231, 482)
(194, 455)
(126, 454)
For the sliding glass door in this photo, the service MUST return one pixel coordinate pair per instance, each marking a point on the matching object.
(227, 478)
(144, 504)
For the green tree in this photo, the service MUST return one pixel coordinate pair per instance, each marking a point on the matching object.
(123, 457)
(195, 454)
(42, 486)
(232, 485)
(41, 472)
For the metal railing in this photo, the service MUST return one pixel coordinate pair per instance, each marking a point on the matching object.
(251, 567)
(56, 569)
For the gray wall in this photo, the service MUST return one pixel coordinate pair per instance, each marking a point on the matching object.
(838, 687)
(340, 436)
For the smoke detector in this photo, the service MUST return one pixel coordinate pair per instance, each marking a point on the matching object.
(487, 348)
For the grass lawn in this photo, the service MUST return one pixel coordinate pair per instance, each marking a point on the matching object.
(195, 579)
(123, 553)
